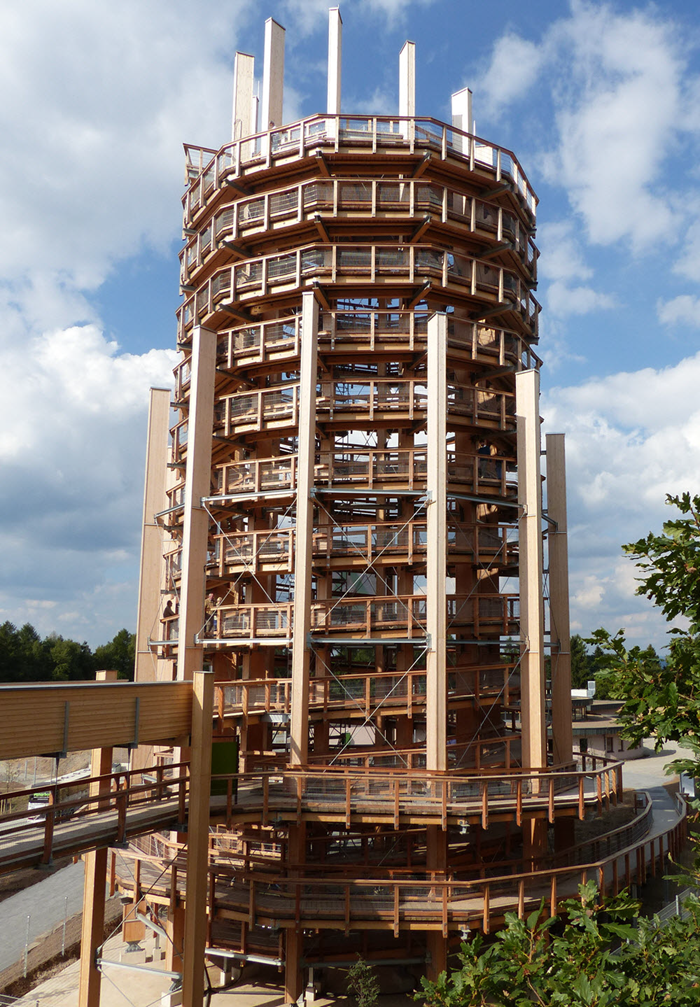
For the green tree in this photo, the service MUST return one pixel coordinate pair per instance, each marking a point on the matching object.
(363, 984)
(662, 697)
(117, 655)
(574, 960)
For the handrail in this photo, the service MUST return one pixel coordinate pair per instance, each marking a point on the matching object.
(340, 131)
(470, 275)
(234, 220)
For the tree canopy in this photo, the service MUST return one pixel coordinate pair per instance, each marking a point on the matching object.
(662, 697)
(580, 959)
(26, 657)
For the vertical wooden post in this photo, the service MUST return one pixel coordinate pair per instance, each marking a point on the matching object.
(461, 115)
(273, 75)
(154, 500)
(244, 102)
(95, 884)
(532, 691)
(562, 730)
(407, 79)
(335, 45)
(534, 743)
(436, 572)
(299, 721)
(198, 841)
(197, 485)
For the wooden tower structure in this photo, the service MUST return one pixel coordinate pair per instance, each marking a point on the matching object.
(351, 504)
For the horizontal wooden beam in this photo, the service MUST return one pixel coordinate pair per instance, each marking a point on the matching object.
(47, 719)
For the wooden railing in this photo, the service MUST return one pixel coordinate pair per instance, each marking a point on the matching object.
(278, 339)
(206, 169)
(246, 883)
(365, 199)
(364, 689)
(272, 550)
(402, 794)
(125, 792)
(366, 400)
(343, 263)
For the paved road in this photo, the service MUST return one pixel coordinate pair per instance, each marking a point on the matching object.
(45, 904)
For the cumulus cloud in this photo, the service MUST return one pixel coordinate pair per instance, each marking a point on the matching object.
(631, 439)
(562, 264)
(514, 67)
(615, 80)
(682, 310)
(72, 437)
(98, 99)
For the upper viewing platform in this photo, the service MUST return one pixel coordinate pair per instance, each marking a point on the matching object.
(384, 137)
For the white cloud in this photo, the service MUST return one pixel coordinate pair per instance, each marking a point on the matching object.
(514, 67)
(310, 16)
(682, 310)
(562, 264)
(631, 439)
(72, 437)
(617, 86)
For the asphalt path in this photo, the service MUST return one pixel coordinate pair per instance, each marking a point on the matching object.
(45, 903)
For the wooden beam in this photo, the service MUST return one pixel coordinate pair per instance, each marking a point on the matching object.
(532, 693)
(197, 887)
(245, 104)
(436, 572)
(421, 228)
(273, 76)
(335, 46)
(94, 889)
(102, 714)
(301, 654)
(195, 532)
(562, 730)
(154, 501)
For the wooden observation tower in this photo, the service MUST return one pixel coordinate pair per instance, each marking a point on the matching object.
(352, 510)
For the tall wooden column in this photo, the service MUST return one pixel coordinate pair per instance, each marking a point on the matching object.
(527, 391)
(95, 883)
(197, 485)
(532, 689)
(154, 500)
(436, 573)
(198, 840)
(562, 731)
(299, 721)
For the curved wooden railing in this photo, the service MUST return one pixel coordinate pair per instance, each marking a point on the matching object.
(367, 468)
(464, 275)
(272, 550)
(402, 331)
(486, 615)
(206, 169)
(361, 199)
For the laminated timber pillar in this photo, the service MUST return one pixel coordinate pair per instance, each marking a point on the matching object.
(532, 690)
(273, 75)
(195, 531)
(245, 104)
(436, 572)
(335, 43)
(461, 115)
(303, 550)
(154, 500)
(436, 602)
(95, 881)
(562, 731)
(198, 841)
(301, 654)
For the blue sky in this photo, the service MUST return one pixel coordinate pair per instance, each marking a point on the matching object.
(598, 100)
